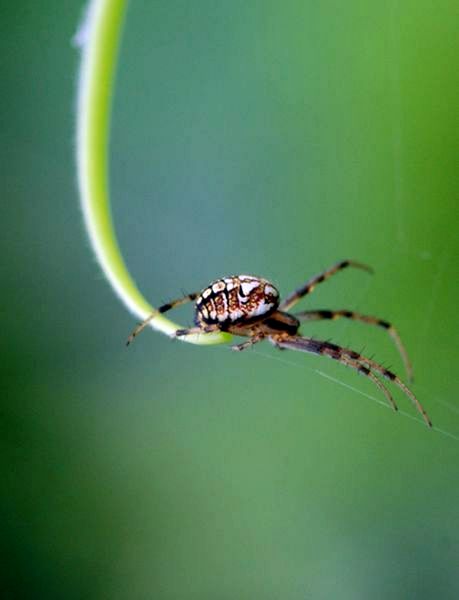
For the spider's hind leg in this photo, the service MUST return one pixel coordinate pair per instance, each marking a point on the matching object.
(257, 337)
(196, 330)
(162, 309)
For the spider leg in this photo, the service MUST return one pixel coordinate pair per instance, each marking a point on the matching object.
(389, 375)
(351, 359)
(308, 287)
(366, 371)
(257, 337)
(162, 309)
(196, 330)
(318, 315)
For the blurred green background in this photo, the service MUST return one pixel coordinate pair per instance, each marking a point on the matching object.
(262, 137)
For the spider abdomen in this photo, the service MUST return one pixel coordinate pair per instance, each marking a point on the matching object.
(235, 299)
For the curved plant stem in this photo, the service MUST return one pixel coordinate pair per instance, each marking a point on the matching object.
(99, 39)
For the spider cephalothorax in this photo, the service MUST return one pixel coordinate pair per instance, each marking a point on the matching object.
(234, 300)
(250, 306)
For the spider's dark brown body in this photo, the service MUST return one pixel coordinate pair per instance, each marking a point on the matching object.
(235, 300)
(240, 304)
(250, 306)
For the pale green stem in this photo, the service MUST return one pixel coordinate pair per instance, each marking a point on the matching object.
(99, 40)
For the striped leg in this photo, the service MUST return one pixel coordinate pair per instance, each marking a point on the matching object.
(389, 375)
(162, 309)
(319, 315)
(365, 371)
(351, 359)
(308, 287)
(257, 337)
(197, 330)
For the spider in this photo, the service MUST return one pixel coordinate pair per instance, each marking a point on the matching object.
(250, 306)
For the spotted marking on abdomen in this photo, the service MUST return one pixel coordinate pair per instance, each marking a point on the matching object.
(234, 299)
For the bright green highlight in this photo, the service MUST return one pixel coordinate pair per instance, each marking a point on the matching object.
(99, 37)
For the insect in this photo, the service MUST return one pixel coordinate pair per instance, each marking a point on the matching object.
(250, 306)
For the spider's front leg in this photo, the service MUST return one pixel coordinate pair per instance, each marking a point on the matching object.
(310, 285)
(354, 360)
(319, 315)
